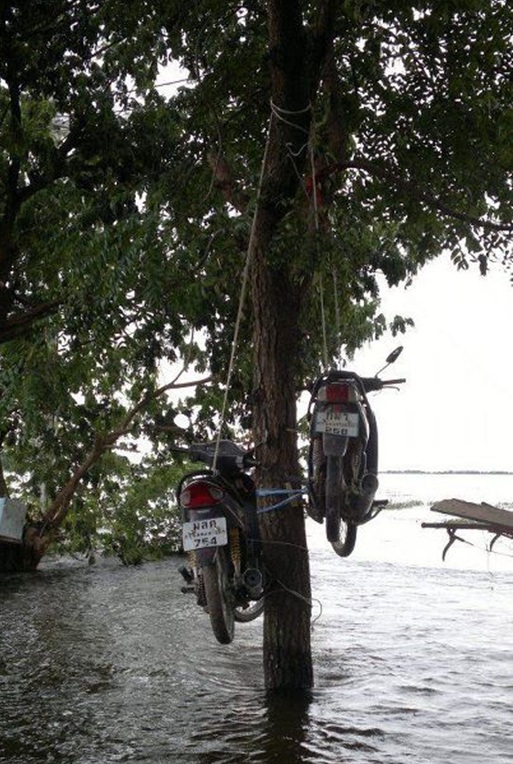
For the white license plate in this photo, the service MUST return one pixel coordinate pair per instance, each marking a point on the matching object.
(337, 423)
(198, 534)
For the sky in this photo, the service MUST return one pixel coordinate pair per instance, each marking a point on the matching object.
(455, 411)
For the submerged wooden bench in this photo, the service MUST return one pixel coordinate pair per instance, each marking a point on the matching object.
(471, 516)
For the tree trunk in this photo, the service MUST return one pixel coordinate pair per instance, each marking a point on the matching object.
(287, 648)
(276, 296)
(26, 556)
(3, 483)
(14, 557)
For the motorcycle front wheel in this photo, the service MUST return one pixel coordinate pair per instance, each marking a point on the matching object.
(219, 598)
(249, 613)
(346, 541)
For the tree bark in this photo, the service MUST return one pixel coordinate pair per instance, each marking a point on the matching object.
(287, 647)
(296, 55)
(19, 558)
(276, 308)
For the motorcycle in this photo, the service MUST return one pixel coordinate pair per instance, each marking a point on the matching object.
(221, 536)
(343, 453)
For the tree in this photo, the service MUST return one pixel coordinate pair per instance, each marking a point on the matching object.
(87, 280)
(314, 142)
(390, 128)
(96, 285)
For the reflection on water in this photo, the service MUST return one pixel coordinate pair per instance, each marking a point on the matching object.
(109, 664)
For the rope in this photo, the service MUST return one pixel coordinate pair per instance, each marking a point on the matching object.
(323, 324)
(292, 494)
(277, 112)
(309, 600)
(321, 282)
(280, 110)
(338, 322)
(244, 284)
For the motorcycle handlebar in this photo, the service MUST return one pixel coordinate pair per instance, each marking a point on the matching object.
(371, 384)
(226, 458)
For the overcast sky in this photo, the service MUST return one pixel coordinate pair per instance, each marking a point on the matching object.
(456, 409)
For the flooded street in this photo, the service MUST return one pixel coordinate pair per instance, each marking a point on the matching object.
(413, 663)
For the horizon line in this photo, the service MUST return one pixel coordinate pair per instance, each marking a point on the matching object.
(444, 472)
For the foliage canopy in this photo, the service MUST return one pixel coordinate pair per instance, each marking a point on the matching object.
(126, 206)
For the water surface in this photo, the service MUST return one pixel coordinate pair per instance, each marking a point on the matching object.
(413, 660)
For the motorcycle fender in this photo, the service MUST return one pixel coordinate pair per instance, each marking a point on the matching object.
(206, 556)
(334, 445)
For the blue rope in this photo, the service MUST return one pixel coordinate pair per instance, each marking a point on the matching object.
(291, 495)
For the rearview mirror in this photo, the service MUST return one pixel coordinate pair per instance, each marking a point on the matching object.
(394, 355)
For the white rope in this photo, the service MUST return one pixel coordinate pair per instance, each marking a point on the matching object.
(245, 279)
(314, 189)
(338, 322)
(281, 110)
(279, 113)
(321, 283)
(323, 323)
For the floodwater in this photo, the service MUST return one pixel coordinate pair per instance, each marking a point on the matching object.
(413, 658)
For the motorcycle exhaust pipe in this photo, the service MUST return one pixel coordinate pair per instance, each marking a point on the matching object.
(361, 503)
(253, 583)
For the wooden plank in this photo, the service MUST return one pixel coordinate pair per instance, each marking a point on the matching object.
(486, 513)
(459, 525)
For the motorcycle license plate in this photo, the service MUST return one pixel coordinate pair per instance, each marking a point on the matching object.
(337, 423)
(198, 534)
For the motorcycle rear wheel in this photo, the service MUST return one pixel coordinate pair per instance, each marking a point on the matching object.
(216, 580)
(340, 533)
(334, 490)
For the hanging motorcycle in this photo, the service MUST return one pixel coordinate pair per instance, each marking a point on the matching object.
(343, 453)
(221, 536)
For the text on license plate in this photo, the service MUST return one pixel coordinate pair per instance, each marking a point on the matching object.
(198, 534)
(337, 423)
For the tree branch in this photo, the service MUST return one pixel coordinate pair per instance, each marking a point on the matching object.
(223, 181)
(20, 324)
(60, 506)
(412, 189)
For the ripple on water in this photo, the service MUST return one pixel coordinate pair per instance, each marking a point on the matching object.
(109, 664)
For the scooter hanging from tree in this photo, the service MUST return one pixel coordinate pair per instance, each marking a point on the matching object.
(221, 536)
(343, 453)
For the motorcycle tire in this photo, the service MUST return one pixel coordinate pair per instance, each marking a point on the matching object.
(216, 580)
(334, 489)
(347, 539)
(340, 533)
(247, 614)
(316, 481)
